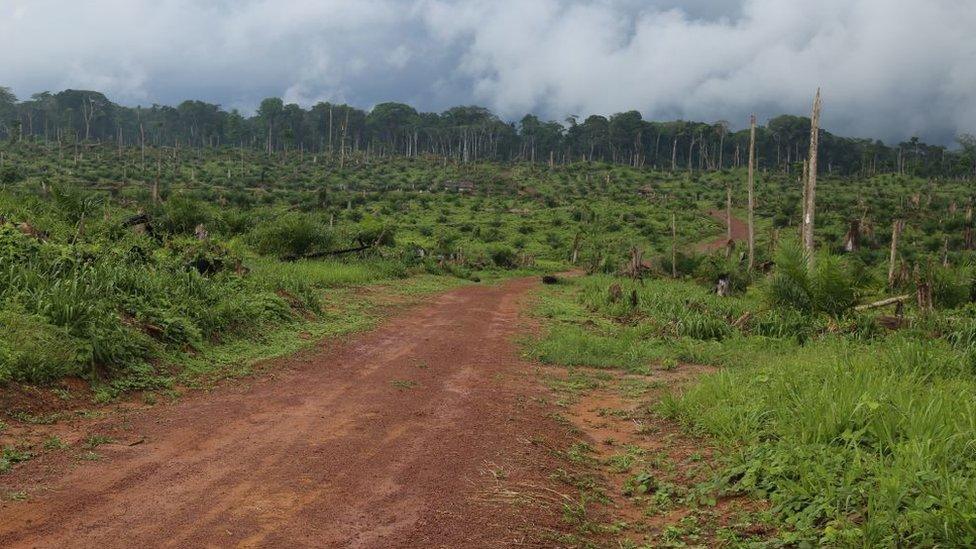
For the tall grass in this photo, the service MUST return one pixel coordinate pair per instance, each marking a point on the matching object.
(321, 274)
(855, 444)
(858, 437)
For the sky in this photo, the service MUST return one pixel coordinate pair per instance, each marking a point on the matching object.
(890, 69)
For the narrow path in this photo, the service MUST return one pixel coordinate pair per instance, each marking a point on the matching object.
(390, 439)
(740, 232)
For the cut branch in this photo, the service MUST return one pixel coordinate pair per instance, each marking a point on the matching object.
(884, 302)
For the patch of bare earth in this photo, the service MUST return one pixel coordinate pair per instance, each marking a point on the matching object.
(652, 470)
(740, 232)
(429, 431)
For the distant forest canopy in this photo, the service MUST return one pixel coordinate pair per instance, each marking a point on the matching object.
(467, 133)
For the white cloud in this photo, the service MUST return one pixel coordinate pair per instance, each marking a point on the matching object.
(887, 67)
(890, 68)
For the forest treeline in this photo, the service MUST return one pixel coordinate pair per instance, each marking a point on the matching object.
(468, 133)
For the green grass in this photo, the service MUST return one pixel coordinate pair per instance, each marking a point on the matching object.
(323, 274)
(856, 437)
(10, 456)
(854, 444)
(344, 312)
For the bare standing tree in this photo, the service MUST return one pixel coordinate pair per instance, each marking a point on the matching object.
(811, 184)
(342, 144)
(88, 112)
(674, 153)
(142, 145)
(674, 246)
(751, 185)
(803, 204)
(896, 228)
(330, 132)
(728, 210)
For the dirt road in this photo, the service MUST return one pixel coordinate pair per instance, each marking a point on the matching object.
(395, 438)
(740, 232)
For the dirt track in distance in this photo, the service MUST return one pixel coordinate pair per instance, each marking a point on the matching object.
(399, 437)
(740, 232)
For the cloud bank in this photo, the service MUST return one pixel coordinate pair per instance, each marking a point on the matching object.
(888, 68)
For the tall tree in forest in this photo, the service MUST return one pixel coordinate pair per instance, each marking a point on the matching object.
(8, 109)
(269, 111)
(968, 143)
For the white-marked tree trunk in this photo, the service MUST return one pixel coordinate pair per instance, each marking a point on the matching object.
(811, 194)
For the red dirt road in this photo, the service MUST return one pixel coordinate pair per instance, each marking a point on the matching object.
(395, 438)
(740, 232)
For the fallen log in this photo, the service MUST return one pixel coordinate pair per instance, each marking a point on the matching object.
(883, 302)
(314, 255)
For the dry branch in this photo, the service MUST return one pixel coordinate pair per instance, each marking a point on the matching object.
(884, 302)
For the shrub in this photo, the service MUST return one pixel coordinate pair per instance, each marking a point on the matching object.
(34, 351)
(789, 285)
(832, 285)
(827, 288)
(714, 266)
(373, 232)
(291, 235)
(181, 215)
(503, 256)
(950, 287)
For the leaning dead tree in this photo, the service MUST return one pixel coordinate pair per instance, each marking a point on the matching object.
(811, 183)
(751, 185)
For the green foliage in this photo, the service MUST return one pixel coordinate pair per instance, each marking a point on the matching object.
(181, 215)
(291, 235)
(854, 446)
(951, 287)
(857, 436)
(34, 351)
(373, 232)
(790, 284)
(503, 256)
(832, 286)
(10, 456)
(828, 287)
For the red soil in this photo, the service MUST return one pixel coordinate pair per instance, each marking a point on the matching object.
(427, 432)
(740, 232)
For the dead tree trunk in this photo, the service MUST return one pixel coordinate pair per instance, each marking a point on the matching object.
(728, 211)
(923, 292)
(751, 184)
(896, 227)
(883, 302)
(724, 286)
(674, 246)
(803, 204)
(852, 240)
(968, 231)
(812, 179)
(674, 154)
(576, 246)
